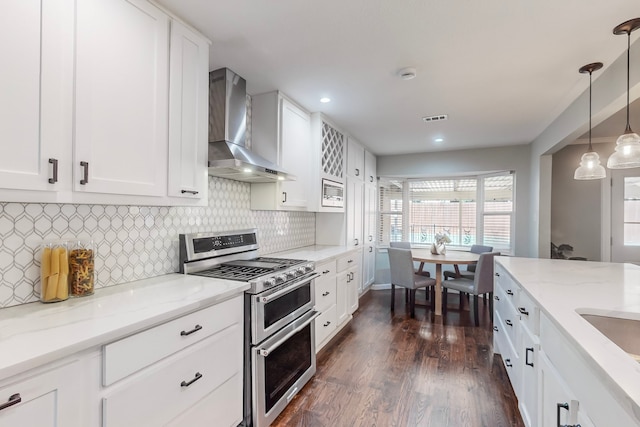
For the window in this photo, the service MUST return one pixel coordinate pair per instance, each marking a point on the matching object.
(477, 209)
(631, 211)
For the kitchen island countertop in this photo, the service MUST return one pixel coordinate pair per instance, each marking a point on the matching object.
(565, 288)
(34, 334)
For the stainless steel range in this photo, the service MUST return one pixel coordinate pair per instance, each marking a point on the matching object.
(279, 353)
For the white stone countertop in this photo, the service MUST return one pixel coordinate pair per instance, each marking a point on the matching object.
(314, 253)
(564, 288)
(34, 334)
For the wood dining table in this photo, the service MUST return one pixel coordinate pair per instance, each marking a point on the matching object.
(424, 255)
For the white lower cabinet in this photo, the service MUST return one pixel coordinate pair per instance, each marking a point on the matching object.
(49, 397)
(336, 292)
(528, 397)
(184, 372)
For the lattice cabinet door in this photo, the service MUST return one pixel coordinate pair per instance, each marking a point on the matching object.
(332, 159)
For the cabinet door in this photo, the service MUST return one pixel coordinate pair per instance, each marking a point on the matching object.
(528, 396)
(342, 289)
(121, 106)
(355, 159)
(369, 226)
(295, 154)
(188, 113)
(354, 284)
(355, 194)
(51, 399)
(370, 176)
(36, 45)
(554, 392)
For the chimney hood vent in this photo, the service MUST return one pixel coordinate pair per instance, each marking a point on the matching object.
(228, 155)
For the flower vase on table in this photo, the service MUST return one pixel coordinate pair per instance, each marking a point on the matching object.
(439, 246)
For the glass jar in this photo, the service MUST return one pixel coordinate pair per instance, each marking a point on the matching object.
(81, 267)
(54, 272)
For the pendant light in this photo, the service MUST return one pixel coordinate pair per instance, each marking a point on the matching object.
(590, 167)
(627, 154)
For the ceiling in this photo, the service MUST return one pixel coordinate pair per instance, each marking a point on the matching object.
(501, 70)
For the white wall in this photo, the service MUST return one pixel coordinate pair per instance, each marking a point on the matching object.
(461, 162)
(575, 205)
(609, 96)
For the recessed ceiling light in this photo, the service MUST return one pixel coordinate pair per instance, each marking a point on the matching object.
(407, 73)
(325, 100)
(439, 139)
(247, 170)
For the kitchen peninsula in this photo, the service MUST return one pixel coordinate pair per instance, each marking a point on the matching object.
(538, 328)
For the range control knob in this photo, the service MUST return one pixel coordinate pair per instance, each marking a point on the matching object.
(281, 278)
(290, 274)
(308, 268)
(270, 282)
(301, 271)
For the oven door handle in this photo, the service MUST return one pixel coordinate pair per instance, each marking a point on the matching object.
(311, 317)
(286, 290)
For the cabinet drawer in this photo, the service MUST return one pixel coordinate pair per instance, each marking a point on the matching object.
(124, 357)
(529, 313)
(504, 281)
(347, 261)
(325, 324)
(326, 269)
(507, 351)
(325, 293)
(168, 388)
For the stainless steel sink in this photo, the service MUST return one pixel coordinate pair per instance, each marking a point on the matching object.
(625, 333)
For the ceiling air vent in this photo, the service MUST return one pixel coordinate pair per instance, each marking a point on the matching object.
(438, 118)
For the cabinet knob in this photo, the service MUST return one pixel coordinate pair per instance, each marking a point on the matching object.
(54, 178)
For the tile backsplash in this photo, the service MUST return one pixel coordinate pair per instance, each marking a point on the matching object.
(133, 242)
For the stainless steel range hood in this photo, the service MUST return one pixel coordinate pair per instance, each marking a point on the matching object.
(228, 155)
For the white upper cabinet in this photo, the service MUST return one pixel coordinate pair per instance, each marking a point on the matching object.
(36, 45)
(355, 159)
(281, 134)
(188, 113)
(370, 176)
(121, 102)
(329, 150)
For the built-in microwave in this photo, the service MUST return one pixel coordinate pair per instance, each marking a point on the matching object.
(332, 194)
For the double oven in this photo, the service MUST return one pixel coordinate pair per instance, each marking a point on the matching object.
(279, 331)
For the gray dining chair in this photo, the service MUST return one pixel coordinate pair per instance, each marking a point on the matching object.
(407, 245)
(471, 268)
(481, 284)
(403, 274)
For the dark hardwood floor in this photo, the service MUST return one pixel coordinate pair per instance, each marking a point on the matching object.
(387, 369)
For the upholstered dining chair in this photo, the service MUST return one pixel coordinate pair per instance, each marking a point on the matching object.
(407, 245)
(482, 283)
(471, 268)
(403, 274)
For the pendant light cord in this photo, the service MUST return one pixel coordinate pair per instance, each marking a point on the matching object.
(590, 147)
(628, 129)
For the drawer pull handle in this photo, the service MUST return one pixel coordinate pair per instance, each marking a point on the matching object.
(561, 406)
(496, 297)
(356, 242)
(509, 292)
(497, 274)
(523, 311)
(326, 272)
(526, 356)
(327, 323)
(370, 238)
(324, 294)
(357, 172)
(196, 329)
(495, 328)
(85, 173)
(54, 179)
(370, 178)
(508, 322)
(284, 197)
(196, 378)
(189, 191)
(370, 249)
(508, 363)
(350, 261)
(13, 400)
